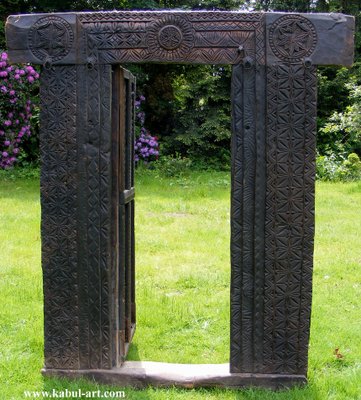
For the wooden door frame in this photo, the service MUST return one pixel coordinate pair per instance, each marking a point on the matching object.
(273, 170)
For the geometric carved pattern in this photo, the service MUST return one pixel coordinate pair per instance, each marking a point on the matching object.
(272, 229)
(293, 37)
(58, 226)
(171, 38)
(205, 38)
(94, 134)
(289, 223)
(247, 221)
(76, 216)
(247, 211)
(50, 38)
(242, 212)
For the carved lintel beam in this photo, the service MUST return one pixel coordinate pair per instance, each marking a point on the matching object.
(42, 38)
(179, 37)
(314, 39)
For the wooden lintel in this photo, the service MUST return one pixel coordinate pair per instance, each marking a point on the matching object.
(208, 37)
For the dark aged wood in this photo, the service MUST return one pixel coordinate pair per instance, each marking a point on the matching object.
(178, 36)
(141, 374)
(123, 185)
(87, 182)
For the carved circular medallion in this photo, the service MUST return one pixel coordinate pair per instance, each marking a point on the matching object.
(293, 37)
(50, 38)
(170, 38)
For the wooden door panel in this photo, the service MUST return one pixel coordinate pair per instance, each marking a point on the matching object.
(123, 120)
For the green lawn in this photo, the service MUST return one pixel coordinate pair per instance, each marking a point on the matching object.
(182, 233)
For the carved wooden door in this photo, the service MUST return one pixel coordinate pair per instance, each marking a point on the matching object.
(87, 178)
(123, 181)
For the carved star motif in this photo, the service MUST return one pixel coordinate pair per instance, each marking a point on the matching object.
(293, 37)
(51, 38)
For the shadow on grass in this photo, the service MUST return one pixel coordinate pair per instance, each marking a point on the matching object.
(21, 189)
(90, 388)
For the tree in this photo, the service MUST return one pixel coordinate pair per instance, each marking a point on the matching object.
(174, 92)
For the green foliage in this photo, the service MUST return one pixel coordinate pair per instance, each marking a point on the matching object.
(188, 106)
(203, 128)
(335, 168)
(27, 171)
(173, 166)
(155, 83)
(332, 81)
(342, 132)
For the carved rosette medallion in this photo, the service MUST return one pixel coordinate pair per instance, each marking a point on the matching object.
(292, 38)
(50, 38)
(170, 38)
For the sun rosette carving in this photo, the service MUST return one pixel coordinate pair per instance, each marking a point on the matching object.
(170, 38)
(292, 38)
(50, 39)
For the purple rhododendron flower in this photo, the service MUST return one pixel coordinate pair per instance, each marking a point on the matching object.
(16, 108)
(146, 146)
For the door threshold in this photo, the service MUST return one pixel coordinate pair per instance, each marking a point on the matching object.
(141, 374)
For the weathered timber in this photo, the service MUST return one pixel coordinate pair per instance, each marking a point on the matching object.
(87, 182)
(141, 374)
(178, 37)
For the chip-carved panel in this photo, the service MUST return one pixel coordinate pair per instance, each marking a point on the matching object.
(289, 222)
(173, 37)
(58, 227)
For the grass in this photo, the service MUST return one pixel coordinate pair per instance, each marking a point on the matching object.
(182, 229)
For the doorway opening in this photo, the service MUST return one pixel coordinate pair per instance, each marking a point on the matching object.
(182, 211)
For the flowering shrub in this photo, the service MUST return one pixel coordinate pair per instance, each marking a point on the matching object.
(15, 109)
(146, 145)
(338, 168)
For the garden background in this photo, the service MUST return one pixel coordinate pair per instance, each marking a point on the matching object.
(187, 107)
(183, 188)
